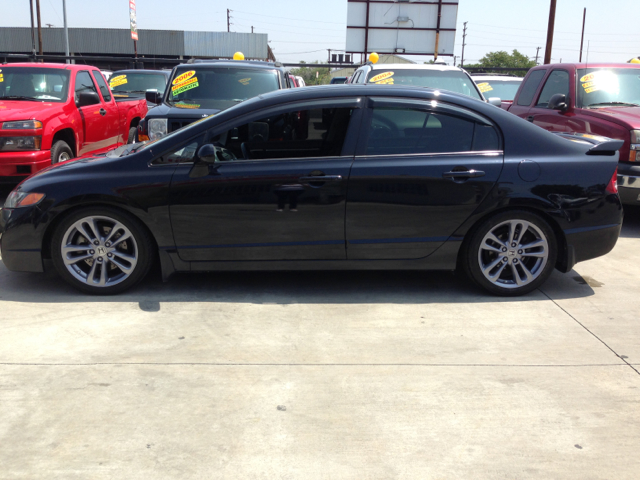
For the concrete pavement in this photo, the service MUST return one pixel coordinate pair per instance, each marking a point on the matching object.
(324, 375)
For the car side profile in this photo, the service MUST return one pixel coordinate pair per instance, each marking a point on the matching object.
(332, 177)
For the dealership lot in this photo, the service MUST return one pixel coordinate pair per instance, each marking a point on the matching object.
(324, 374)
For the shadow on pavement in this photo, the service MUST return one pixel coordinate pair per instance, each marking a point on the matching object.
(321, 287)
(631, 223)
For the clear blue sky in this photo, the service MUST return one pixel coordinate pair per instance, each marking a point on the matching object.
(305, 29)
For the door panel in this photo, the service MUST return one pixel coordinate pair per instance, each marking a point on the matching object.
(98, 123)
(558, 81)
(424, 170)
(262, 210)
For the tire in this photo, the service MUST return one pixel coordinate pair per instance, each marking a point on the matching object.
(524, 239)
(133, 135)
(101, 250)
(60, 152)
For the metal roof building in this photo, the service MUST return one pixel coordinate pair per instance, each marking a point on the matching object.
(116, 42)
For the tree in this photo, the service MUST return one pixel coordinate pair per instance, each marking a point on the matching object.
(504, 60)
(309, 74)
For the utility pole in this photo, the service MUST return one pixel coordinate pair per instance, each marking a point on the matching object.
(66, 31)
(251, 28)
(537, 54)
(455, 57)
(584, 18)
(39, 26)
(552, 20)
(464, 38)
(228, 20)
(33, 37)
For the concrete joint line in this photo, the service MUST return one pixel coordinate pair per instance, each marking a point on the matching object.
(598, 338)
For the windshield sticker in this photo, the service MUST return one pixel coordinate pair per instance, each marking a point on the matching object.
(182, 78)
(485, 87)
(119, 80)
(380, 77)
(601, 80)
(186, 105)
(184, 86)
(244, 81)
(176, 90)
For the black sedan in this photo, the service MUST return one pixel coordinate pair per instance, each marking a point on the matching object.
(336, 177)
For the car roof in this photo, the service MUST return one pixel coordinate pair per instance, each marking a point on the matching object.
(59, 66)
(233, 63)
(413, 66)
(146, 72)
(589, 65)
(498, 78)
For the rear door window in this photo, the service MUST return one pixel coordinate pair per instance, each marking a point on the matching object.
(530, 87)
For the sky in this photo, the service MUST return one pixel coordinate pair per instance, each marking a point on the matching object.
(305, 29)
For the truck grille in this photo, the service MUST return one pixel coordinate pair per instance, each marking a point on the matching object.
(175, 124)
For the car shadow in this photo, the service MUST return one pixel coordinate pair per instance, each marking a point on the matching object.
(304, 287)
(631, 223)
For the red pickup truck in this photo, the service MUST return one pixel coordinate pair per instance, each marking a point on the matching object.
(598, 99)
(51, 112)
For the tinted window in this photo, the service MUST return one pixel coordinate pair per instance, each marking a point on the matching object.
(137, 82)
(218, 87)
(558, 82)
(503, 89)
(106, 93)
(84, 84)
(44, 84)
(530, 86)
(184, 154)
(318, 132)
(398, 131)
(452, 80)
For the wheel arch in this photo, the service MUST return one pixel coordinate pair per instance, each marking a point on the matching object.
(51, 228)
(68, 136)
(563, 262)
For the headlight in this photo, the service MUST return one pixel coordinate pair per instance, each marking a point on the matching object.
(18, 199)
(634, 153)
(16, 144)
(157, 128)
(22, 125)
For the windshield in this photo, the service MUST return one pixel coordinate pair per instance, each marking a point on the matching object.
(605, 87)
(452, 80)
(32, 84)
(137, 82)
(219, 87)
(503, 89)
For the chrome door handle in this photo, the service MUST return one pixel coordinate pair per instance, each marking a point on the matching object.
(321, 178)
(464, 174)
(530, 118)
(103, 112)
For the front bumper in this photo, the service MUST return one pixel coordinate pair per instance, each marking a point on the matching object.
(629, 183)
(21, 240)
(20, 164)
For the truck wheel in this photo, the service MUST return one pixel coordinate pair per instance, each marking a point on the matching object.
(60, 152)
(511, 253)
(133, 135)
(101, 250)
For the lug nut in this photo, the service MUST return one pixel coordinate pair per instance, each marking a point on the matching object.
(505, 259)
(109, 255)
(513, 244)
(519, 252)
(92, 252)
(108, 244)
(99, 259)
(515, 260)
(504, 249)
(96, 242)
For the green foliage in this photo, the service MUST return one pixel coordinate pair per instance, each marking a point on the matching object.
(309, 74)
(505, 60)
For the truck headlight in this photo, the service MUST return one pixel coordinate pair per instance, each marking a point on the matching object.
(22, 125)
(18, 144)
(634, 153)
(157, 128)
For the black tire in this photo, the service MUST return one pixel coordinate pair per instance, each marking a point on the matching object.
(533, 266)
(142, 248)
(60, 152)
(133, 135)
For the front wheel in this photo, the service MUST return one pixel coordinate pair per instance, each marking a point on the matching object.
(511, 253)
(60, 152)
(101, 251)
(133, 135)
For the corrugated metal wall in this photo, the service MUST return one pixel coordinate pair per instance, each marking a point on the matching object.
(152, 42)
(223, 44)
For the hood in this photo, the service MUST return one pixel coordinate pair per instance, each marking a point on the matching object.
(27, 110)
(628, 117)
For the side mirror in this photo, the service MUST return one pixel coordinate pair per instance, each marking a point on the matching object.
(87, 98)
(559, 102)
(495, 101)
(207, 153)
(152, 96)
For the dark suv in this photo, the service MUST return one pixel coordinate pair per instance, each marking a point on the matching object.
(205, 87)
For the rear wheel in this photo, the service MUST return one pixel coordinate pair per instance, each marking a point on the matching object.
(102, 251)
(511, 253)
(60, 152)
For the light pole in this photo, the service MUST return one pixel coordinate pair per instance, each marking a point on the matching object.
(66, 31)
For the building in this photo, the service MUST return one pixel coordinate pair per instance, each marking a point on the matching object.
(112, 48)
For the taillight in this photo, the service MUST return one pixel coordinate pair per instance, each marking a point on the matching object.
(613, 183)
